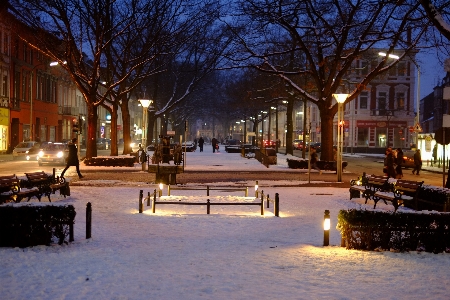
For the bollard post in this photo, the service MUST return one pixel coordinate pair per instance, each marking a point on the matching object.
(277, 205)
(208, 207)
(268, 200)
(207, 190)
(141, 195)
(256, 189)
(246, 191)
(88, 220)
(262, 206)
(148, 199)
(154, 203)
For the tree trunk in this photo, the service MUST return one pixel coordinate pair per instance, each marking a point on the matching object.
(92, 116)
(114, 149)
(150, 127)
(290, 126)
(126, 126)
(327, 129)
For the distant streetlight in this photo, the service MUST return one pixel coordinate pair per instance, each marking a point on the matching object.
(340, 98)
(145, 104)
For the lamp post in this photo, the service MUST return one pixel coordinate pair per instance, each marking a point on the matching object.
(340, 98)
(145, 104)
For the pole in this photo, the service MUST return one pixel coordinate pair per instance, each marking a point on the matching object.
(418, 103)
(31, 106)
(339, 149)
(276, 126)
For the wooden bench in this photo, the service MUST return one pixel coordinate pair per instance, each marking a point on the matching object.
(368, 185)
(10, 190)
(47, 184)
(401, 191)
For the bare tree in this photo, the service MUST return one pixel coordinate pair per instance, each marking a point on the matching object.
(110, 47)
(438, 12)
(322, 41)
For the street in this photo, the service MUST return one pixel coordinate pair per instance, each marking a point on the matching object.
(357, 164)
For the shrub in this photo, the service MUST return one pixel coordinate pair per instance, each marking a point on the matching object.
(374, 230)
(111, 161)
(24, 226)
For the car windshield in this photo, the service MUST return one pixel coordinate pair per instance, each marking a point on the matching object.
(53, 147)
(24, 145)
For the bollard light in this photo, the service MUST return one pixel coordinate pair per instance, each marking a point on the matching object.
(326, 228)
(256, 188)
(161, 186)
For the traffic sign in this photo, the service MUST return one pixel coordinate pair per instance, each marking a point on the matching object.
(417, 128)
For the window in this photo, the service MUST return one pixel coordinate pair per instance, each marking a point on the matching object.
(364, 67)
(17, 85)
(6, 43)
(382, 101)
(363, 97)
(4, 89)
(400, 99)
(401, 69)
(382, 104)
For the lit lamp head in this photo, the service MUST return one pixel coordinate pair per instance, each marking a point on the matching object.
(145, 102)
(326, 228)
(161, 186)
(326, 220)
(256, 186)
(340, 98)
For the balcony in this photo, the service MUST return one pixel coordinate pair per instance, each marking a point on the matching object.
(68, 110)
(382, 112)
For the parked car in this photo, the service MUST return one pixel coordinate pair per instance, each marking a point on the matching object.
(298, 144)
(268, 143)
(53, 153)
(318, 146)
(22, 149)
(408, 159)
(103, 144)
(189, 145)
(135, 145)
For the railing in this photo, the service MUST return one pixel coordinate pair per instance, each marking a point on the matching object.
(151, 199)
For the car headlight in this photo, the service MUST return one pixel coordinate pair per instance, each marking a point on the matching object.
(41, 153)
(59, 154)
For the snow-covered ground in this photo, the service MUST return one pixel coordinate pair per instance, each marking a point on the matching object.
(180, 252)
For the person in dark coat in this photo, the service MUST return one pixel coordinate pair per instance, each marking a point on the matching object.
(314, 159)
(389, 163)
(214, 144)
(417, 162)
(200, 143)
(72, 159)
(399, 162)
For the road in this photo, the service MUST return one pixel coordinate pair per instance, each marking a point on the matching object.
(357, 164)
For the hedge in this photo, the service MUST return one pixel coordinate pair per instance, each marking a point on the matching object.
(31, 225)
(374, 230)
(111, 161)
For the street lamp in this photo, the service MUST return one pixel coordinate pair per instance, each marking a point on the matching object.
(340, 98)
(145, 104)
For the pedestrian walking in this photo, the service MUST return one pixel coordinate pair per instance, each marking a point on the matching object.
(72, 159)
(201, 141)
(417, 162)
(314, 159)
(399, 163)
(214, 144)
(389, 163)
